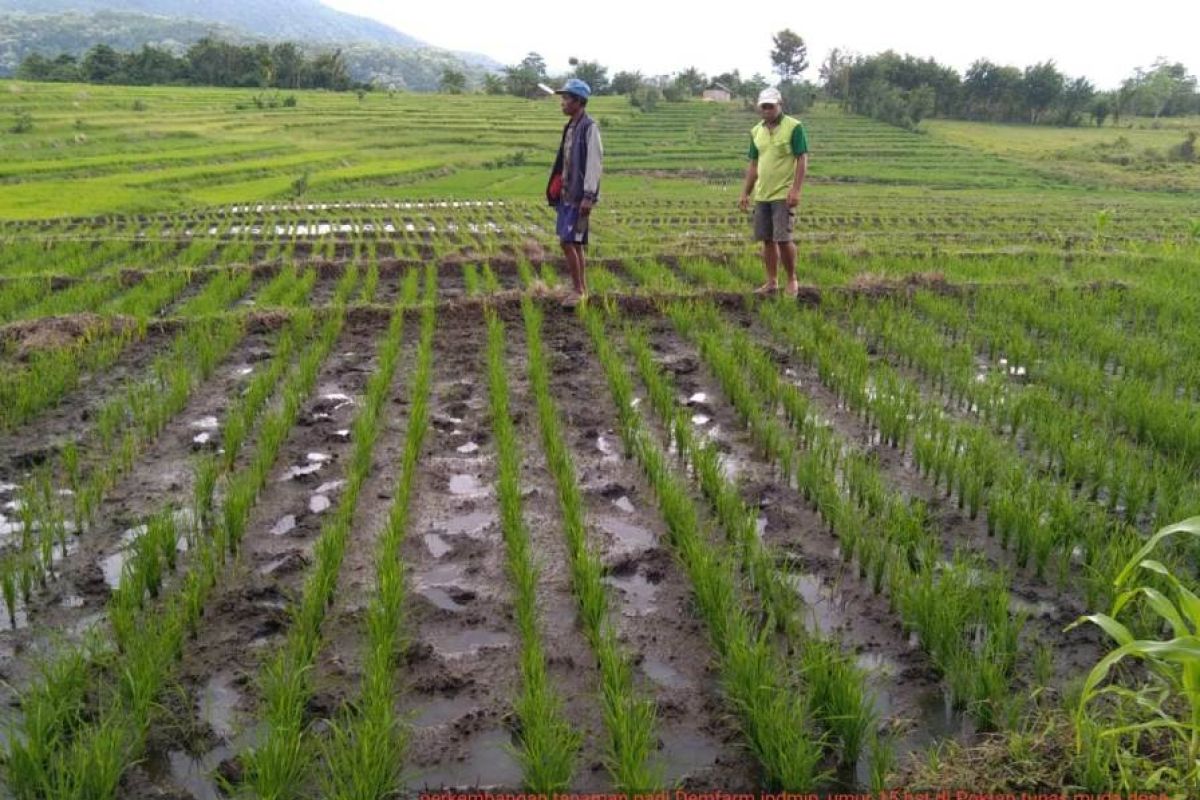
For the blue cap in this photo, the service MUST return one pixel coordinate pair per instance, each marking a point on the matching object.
(576, 87)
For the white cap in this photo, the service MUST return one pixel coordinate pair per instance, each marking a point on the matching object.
(770, 95)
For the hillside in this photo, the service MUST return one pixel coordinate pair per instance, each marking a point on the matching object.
(297, 20)
(415, 67)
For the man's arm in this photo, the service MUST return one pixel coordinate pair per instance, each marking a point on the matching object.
(748, 185)
(592, 170)
(793, 198)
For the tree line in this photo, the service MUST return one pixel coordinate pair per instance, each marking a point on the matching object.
(898, 89)
(789, 58)
(903, 90)
(208, 62)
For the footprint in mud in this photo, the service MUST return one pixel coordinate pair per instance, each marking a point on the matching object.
(627, 537)
(466, 485)
(437, 546)
(637, 593)
(487, 761)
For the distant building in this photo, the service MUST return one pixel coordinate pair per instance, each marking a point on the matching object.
(717, 93)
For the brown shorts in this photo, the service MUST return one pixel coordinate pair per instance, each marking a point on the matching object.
(773, 221)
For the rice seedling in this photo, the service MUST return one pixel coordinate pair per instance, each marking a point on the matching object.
(773, 719)
(629, 717)
(548, 744)
(364, 756)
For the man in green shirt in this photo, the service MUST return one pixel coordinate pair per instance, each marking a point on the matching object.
(778, 161)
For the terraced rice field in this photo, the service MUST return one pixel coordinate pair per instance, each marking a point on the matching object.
(329, 497)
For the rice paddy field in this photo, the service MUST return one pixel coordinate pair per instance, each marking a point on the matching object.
(310, 488)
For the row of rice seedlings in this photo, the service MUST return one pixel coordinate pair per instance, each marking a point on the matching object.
(654, 276)
(50, 374)
(836, 685)
(64, 751)
(410, 287)
(1042, 513)
(125, 425)
(890, 535)
(70, 258)
(628, 717)
(85, 295)
(225, 288)
(370, 285)
(491, 284)
(1087, 323)
(19, 294)
(151, 295)
(365, 752)
(285, 286)
(282, 763)
(1158, 419)
(525, 272)
(774, 719)
(1039, 515)
(471, 280)
(548, 746)
(1099, 460)
(550, 278)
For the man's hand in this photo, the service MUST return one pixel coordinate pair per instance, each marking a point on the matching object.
(585, 207)
(744, 202)
(793, 198)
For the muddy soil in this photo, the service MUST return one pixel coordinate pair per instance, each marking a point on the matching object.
(248, 613)
(75, 598)
(26, 338)
(908, 698)
(650, 595)
(1048, 607)
(41, 438)
(461, 665)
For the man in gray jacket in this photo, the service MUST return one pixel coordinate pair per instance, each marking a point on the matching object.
(574, 186)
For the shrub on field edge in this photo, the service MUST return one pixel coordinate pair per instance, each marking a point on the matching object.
(23, 123)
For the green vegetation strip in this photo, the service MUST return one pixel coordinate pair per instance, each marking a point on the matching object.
(775, 720)
(281, 765)
(628, 717)
(76, 740)
(548, 745)
(365, 754)
(835, 685)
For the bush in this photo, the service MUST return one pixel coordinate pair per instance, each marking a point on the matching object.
(138, 105)
(645, 98)
(23, 123)
(797, 97)
(1185, 150)
(289, 101)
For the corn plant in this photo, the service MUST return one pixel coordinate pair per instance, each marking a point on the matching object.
(1168, 703)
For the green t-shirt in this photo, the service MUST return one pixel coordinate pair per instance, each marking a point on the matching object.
(776, 151)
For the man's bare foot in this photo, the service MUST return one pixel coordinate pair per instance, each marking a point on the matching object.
(793, 289)
(571, 300)
(767, 288)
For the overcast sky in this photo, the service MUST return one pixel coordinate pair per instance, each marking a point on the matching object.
(1103, 42)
